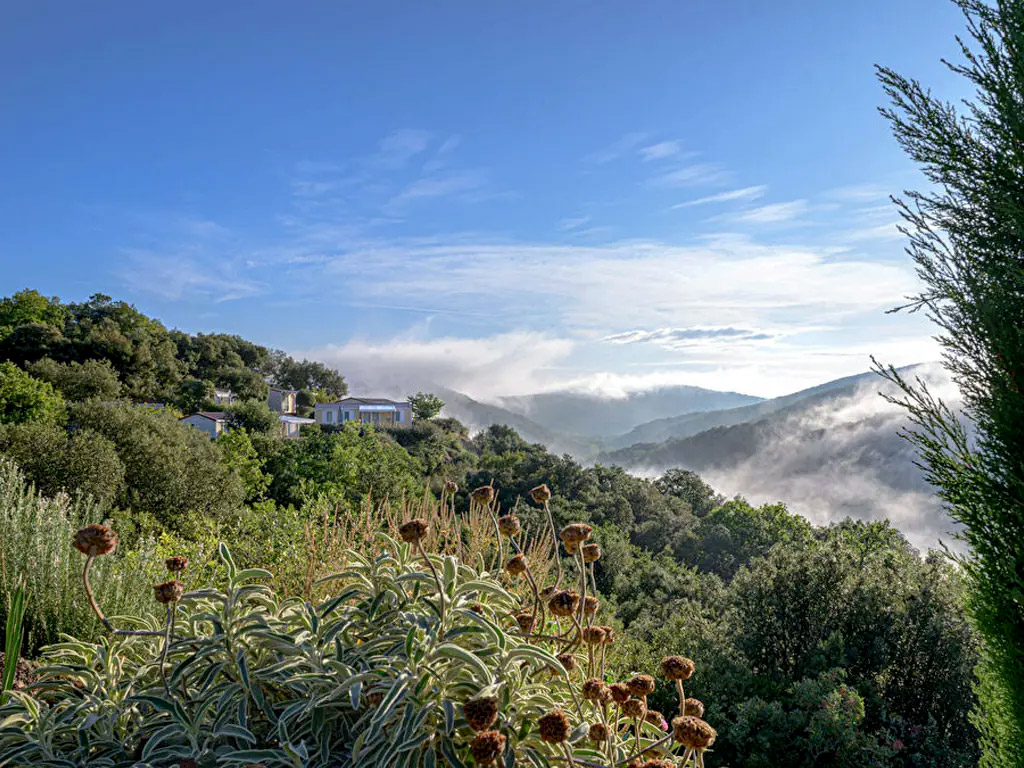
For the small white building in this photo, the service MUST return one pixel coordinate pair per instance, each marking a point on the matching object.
(364, 410)
(213, 423)
(291, 426)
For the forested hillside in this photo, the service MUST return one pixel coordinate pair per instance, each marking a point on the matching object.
(829, 646)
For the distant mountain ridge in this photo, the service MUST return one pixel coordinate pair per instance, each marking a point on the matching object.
(581, 413)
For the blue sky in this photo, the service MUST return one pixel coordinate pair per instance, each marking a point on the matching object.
(506, 197)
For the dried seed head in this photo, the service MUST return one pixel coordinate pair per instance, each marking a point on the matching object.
(413, 531)
(477, 608)
(169, 591)
(564, 602)
(657, 762)
(487, 747)
(481, 712)
(576, 533)
(593, 635)
(655, 718)
(694, 707)
(509, 525)
(593, 689)
(525, 622)
(547, 592)
(450, 486)
(483, 495)
(620, 692)
(693, 733)
(95, 539)
(598, 732)
(590, 605)
(516, 565)
(609, 635)
(554, 726)
(176, 563)
(567, 660)
(591, 553)
(677, 667)
(634, 708)
(572, 547)
(641, 685)
(541, 494)
(375, 698)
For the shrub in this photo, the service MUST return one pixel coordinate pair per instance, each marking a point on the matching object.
(36, 534)
(411, 659)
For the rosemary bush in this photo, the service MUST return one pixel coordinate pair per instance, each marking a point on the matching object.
(35, 534)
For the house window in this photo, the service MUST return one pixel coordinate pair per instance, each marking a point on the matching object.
(348, 415)
(329, 416)
(398, 417)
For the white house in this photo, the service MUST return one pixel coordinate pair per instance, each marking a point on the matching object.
(291, 426)
(213, 423)
(365, 410)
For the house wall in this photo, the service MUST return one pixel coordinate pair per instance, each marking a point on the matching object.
(401, 416)
(282, 402)
(209, 426)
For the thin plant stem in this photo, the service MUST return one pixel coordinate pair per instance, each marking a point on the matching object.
(437, 578)
(583, 589)
(640, 753)
(568, 753)
(88, 591)
(554, 540)
(682, 697)
(166, 646)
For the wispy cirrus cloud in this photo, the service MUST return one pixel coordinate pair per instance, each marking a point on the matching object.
(772, 213)
(660, 151)
(692, 175)
(744, 193)
(621, 147)
(679, 338)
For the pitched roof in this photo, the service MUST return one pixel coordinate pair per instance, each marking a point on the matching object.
(366, 401)
(212, 415)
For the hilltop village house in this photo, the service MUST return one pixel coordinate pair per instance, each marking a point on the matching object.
(365, 410)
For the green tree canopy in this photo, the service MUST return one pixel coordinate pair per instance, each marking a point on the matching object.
(24, 399)
(79, 381)
(425, 405)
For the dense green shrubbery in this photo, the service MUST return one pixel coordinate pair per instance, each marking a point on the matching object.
(35, 532)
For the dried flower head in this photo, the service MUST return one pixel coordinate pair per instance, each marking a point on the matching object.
(576, 533)
(483, 495)
(548, 591)
(656, 762)
(477, 608)
(525, 622)
(516, 565)
(677, 667)
(655, 718)
(564, 602)
(413, 531)
(567, 660)
(620, 692)
(634, 708)
(590, 605)
(598, 732)
(541, 494)
(593, 635)
(593, 689)
(591, 552)
(693, 733)
(509, 525)
(375, 698)
(169, 591)
(450, 486)
(176, 563)
(641, 685)
(481, 712)
(609, 635)
(694, 707)
(487, 747)
(554, 726)
(95, 539)
(572, 547)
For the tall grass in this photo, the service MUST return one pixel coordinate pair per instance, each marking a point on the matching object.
(35, 532)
